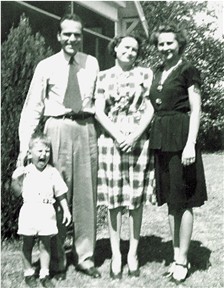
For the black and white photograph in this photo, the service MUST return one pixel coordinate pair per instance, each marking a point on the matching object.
(112, 144)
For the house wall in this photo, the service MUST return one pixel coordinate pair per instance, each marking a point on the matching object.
(11, 12)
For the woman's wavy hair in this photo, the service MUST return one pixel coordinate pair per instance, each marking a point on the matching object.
(180, 34)
(117, 40)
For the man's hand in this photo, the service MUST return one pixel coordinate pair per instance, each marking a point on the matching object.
(20, 159)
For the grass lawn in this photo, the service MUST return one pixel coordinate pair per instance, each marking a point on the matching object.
(206, 251)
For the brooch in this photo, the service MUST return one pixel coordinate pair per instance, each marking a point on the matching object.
(160, 87)
(158, 101)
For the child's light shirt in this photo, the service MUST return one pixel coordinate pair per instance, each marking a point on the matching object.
(37, 215)
(41, 186)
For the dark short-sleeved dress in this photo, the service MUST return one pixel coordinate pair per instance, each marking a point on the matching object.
(177, 185)
(124, 180)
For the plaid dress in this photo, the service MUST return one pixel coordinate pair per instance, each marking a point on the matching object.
(124, 179)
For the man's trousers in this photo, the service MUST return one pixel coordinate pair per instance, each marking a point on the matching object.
(74, 150)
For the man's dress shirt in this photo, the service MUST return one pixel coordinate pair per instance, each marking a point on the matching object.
(47, 91)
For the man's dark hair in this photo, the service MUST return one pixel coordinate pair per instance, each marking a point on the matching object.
(73, 17)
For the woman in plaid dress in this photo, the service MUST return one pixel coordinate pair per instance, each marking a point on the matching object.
(124, 112)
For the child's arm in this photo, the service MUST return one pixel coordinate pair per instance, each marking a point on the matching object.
(17, 180)
(66, 213)
(60, 191)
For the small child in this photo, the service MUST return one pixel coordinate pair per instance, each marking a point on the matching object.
(39, 183)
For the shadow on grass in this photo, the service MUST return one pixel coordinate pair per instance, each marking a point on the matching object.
(153, 249)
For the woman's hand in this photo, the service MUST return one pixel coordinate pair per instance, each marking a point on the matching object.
(188, 155)
(129, 143)
(131, 139)
(119, 139)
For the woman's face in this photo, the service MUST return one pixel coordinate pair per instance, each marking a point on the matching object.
(127, 50)
(168, 46)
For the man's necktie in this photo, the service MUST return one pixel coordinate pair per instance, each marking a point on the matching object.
(72, 97)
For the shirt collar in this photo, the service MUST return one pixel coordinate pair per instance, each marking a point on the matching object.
(67, 57)
(117, 69)
(32, 168)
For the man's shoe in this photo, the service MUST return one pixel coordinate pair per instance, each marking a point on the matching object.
(58, 275)
(134, 273)
(31, 281)
(46, 282)
(92, 271)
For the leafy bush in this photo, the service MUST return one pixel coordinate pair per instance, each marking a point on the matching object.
(20, 54)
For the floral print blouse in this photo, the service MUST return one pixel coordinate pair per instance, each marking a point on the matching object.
(124, 91)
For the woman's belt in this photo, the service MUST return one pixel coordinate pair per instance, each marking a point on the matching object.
(170, 113)
(74, 116)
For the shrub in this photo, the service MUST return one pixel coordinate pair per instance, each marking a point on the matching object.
(20, 54)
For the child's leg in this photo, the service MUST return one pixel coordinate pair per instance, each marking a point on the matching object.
(28, 243)
(45, 254)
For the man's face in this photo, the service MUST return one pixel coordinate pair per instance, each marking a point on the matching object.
(70, 36)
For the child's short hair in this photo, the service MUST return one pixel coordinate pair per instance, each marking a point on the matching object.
(39, 137)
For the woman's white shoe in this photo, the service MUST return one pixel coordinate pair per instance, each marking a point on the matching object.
(180, 272)
(170, 271)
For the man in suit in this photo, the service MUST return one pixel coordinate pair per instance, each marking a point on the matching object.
(62, 91)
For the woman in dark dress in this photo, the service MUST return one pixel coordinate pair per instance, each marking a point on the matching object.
(175, 96)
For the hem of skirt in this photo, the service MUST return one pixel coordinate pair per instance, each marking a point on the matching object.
(28, 234)
(183, 205)
(129, 207)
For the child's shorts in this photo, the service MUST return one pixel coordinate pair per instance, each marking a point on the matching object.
(37, 219)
